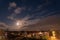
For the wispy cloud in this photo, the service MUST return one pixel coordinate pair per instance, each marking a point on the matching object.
(34, 24)
(41, 7)
(11, 17)
(3, 26)
(46, 24)
(18, 10)
(25, 21)
(12, 5)
(14, 10)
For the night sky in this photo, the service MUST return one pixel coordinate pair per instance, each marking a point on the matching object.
(30, 12)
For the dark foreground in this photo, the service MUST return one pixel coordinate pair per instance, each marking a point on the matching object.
(26, 39)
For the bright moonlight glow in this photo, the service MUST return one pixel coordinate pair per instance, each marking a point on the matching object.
(19, 23)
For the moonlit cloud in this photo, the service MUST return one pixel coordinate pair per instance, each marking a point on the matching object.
(24, 21)
(13, 4)
(46, 24)
(14, 10)
(31, 22)
(11, 17)
(3, 26)
(40, 7)
(36, 24)
(17, 10)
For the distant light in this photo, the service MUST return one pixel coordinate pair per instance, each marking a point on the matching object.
(53, 32)
(53, 37)
(40, 33)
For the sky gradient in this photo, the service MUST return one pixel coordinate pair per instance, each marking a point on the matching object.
(29, 12)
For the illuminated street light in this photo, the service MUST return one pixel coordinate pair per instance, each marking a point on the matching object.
(53, 37)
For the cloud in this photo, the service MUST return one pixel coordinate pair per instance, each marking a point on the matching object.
(11, 17)
(24, 22)
(3, 26)
(31, 22)
(31, 25)
(18, 10)
(46, 24)
(40, 7)
(12, 4)
(51, 20)
(14, 10)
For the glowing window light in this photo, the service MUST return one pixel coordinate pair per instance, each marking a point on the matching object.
(53, 37)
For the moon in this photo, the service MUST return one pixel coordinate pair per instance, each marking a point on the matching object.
(19, 23)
